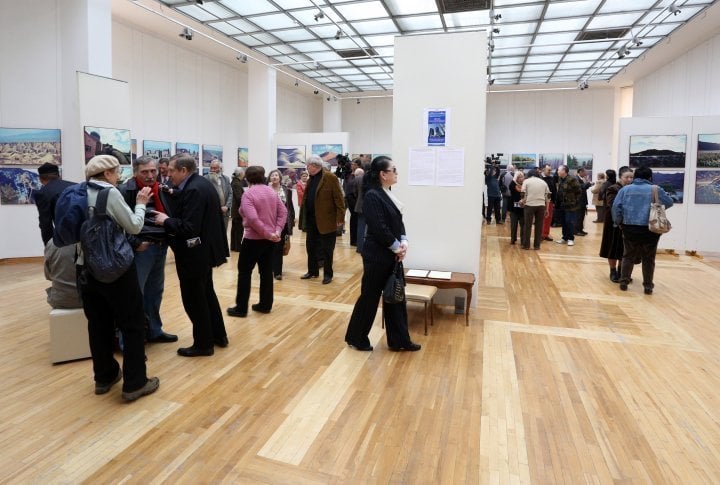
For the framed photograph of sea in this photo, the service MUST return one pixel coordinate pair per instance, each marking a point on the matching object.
(210, 153)
(552, 159)
(328, 153)
(192, 149)
(658, 151)
(524, 161)
(110, 141)
(243, 157)
(29, 146)
(156, 149)
(291, 162)
(708, 154)
(707, 186)
(672, 182)
(18, 185)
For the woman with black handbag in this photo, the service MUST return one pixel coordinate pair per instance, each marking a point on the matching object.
(385, 246)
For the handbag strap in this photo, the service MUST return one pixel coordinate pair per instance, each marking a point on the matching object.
(654, 194)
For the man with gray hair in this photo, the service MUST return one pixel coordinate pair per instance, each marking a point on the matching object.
(322, 212)
(150, 244)
(221, 182)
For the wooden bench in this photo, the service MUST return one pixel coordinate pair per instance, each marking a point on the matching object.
(422, 294)
(463, 281)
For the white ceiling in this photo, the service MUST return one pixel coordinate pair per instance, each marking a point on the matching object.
(531, 41)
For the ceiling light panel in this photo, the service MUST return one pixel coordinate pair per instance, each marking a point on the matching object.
(310, 46)
(502, 42)
(562, 25)
(520, 14)
(380, 40)
(268, 51)
(248, 40)
(197, 13)
(467, 19)
(293, 35)
(571, 9)
(410, 7)
(548, 49)
(218, 11)
(273, 22)
(615, 6)
(266, 38)
(517, 29)
(225, 28)
(244, 8)
(421, 22)
(243, 25)
(385, 26)
(324, 56)
(325, 31)
(614, 20)
(343, 43)
(506, 61)
(307, 17)
(364, 10)
(540, 67)
(591, 46)
(288, 4)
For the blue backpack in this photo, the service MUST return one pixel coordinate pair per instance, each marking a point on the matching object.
(70, 212)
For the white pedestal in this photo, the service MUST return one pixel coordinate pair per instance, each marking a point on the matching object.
(68, 335)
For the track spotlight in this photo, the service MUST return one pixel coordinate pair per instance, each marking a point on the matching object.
(319, 16)
(357, 101)
(338, 34)
(316, 91)
(328, 98)
(296, 83)
(637, 41)
(200, 2)
(674, 9)
(496, 30)
(498, 16)
(491, 81)
(186, 33)
(583, 86)
(622, 52)
(242, 58)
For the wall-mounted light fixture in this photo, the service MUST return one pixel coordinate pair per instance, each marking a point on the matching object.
(674, 9)
(242, 58)
(319, 16)
(583, 86)
(338, 34)
(186, 33)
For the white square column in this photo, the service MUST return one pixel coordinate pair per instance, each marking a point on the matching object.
(262, 113)
(444, 71)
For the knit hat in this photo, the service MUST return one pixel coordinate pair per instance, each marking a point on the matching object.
(99, 163)
(48, 168)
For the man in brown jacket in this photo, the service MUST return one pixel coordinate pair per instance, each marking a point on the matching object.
(322, 211)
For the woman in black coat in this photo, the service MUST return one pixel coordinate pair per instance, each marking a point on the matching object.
(611, 246)
(285, 195)
(385, 243)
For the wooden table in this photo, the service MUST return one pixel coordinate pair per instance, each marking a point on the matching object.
(457, 280)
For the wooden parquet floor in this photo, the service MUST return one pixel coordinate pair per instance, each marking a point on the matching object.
(560, 378)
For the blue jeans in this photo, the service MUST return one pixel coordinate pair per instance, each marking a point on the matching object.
(567, 217)
(150, 266)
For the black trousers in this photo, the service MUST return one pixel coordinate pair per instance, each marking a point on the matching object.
(396, 327)
(107, 305)
(639, 244)
(493, 207)
(319, 246)
(353, 227)
(260, 252)
(277, 256)
(203, 309)
(580, 218)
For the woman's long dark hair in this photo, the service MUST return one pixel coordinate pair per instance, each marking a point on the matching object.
(611, 176)
(371, 180)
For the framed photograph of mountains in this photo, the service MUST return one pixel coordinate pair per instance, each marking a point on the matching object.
(707, 187)
(672, 182)
(708, 154)
(31, 146)
(658, 151)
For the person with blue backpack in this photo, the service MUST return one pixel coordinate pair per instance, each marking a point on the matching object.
(109, 298)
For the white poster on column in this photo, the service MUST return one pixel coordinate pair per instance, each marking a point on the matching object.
(421, 166)
(450, 167)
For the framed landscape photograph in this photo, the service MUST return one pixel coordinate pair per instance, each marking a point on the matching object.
(156, 149)
(210, 153)
(18, 185)
(708, 153)
(658, 151)
(291, 162)
(328, 153)
(110, 141)
(552, 159)
(243, 159)
(133, 149)
(672, 182)
(192, 149)
(524, 160)
(707, 187)
(29, 146)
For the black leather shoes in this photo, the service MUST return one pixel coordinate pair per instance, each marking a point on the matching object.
(257, 308)
(195, 352)
(234, 312)
(221, 341)
(327, 280)
(411, 347)
(367, 348)
(307, 276)
(278, 277)
(163, 338)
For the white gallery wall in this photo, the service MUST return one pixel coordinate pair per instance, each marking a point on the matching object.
(568, 121)
(371, 124)
(686, 86)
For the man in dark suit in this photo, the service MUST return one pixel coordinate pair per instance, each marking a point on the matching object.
(197, 237)
(59, 262)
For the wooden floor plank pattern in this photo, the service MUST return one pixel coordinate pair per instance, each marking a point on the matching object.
(560, 378)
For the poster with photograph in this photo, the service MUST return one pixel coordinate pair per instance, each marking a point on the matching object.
(658, 151)
(192, 149)
(29, 146)
(328, 153)
(708, 154)
(435, 127)
(110, 141)
(707, 186)
(210, 153)
(524, 161)
(365, 158)
(156, 149)
(133, 149)
(574, 161)
(18, 185)
(552, 159)
(243, 157)
(126, 173)
(374, 155)
(672, 182)
(291, 162)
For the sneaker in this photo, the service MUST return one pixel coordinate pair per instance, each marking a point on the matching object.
(150, 386)
(561, 241)
(104, 388)
(571, 243)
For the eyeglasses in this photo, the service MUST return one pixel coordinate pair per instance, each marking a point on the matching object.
(393, 170)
